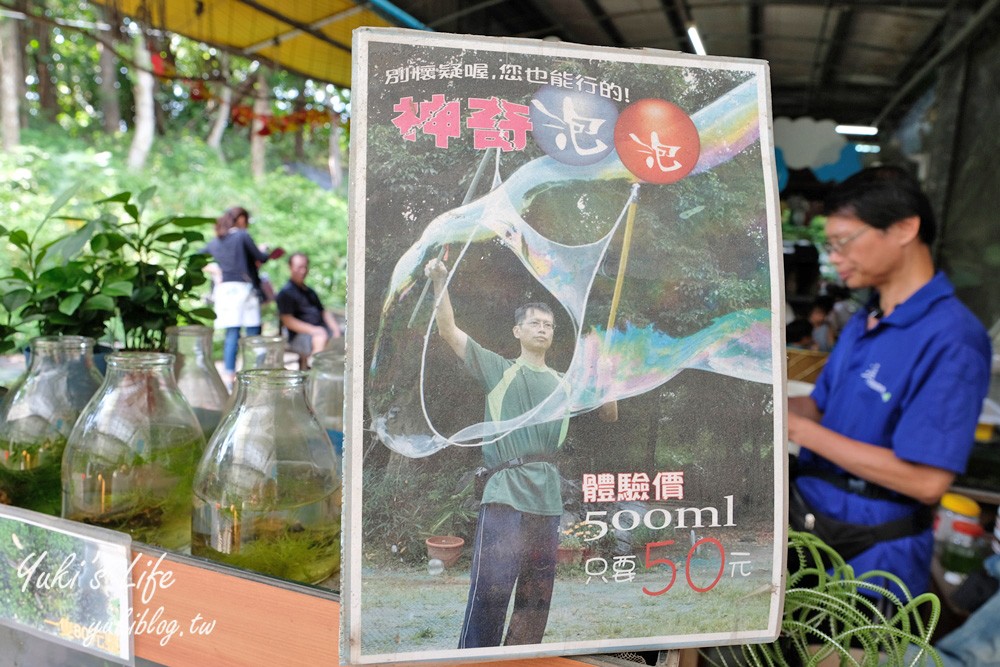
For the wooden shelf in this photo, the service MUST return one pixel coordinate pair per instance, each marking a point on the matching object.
(257, 620)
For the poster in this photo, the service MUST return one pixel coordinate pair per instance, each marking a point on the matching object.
(67, 583)
(564, 284)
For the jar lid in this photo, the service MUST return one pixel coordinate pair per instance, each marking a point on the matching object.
(967, 528)
(960, 504)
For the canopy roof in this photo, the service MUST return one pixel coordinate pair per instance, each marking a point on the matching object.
(308, 37)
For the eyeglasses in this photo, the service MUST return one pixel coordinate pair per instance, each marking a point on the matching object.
(539, 324)
(839, 245)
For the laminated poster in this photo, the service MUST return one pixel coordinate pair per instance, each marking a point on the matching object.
(565, 424)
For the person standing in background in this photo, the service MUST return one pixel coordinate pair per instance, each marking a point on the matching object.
(237, 297)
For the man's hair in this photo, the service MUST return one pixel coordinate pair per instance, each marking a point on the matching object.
(297, 254)
(522, 311)
(882, 196)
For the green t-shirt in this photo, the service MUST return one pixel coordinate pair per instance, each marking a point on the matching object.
(513, 388)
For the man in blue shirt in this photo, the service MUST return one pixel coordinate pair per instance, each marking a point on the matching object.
(892, 418)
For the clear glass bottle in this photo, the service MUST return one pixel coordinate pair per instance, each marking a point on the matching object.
(267, 491)
(130, 459)
(37, 416)
(262, 352)
(197, 377)
(326, 394)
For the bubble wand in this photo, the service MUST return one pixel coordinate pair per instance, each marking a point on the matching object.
(469, 195)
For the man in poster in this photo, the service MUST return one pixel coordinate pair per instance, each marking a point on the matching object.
(518, 528)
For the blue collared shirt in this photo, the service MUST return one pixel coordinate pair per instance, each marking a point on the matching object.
(914, 383)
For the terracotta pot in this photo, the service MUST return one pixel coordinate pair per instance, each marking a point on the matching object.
(569, 555)
(445, 548)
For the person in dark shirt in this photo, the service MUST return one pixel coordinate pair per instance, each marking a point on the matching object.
(309, 325)
(237, 296)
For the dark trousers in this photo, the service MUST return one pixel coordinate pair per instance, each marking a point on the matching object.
(511, 547)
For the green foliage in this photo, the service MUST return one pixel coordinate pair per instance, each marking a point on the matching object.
(150, 271)
(142, 276)
(191, 180)
(409, 501)
(829, 607)
(51, 284)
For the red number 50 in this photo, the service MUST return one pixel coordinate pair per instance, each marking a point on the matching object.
(652, 562)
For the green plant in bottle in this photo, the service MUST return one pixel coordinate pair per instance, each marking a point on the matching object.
(130, 459)
(267, 491)
(37, 416)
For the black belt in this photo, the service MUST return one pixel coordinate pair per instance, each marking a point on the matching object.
(522, 460)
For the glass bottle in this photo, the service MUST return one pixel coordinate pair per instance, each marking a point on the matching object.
(262, 352)
(130, 459)
(267, 491)
(37, 416)
(197, 377)
(326, 394)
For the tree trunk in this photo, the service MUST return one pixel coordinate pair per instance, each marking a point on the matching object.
(214, 140)
(142, 91)
(109, 76)
(335, 162)
(23, 36)
(260, 110)
(10, 69)
(48, 105)
(300, 132)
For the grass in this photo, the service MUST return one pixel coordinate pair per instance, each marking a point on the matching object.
(405, 608)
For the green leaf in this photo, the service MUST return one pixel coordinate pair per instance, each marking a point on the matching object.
(118, 288)
(202, 313)
(69, 246)
(69, 305)
(169, 237)
(20, 274)
(191, 221)
(133, 211)
(115, 241)
(99, 302)
(121, 272)
(144, 294)
(3, 230)
(143, 197)
(120, 197)
(99, 243)
(19, 237)
(15, 299)
(61, 200)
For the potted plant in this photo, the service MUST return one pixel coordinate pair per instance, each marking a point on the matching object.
(456, 513)
(50, 288)
(108, 277)
(574, 542)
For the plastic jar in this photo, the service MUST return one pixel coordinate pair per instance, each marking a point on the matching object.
(963, 552)
(954, 507)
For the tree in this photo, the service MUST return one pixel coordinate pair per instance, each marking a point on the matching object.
(109, 77)
(261, 108)
(225, 107)
(10, 71)
(145, 120)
